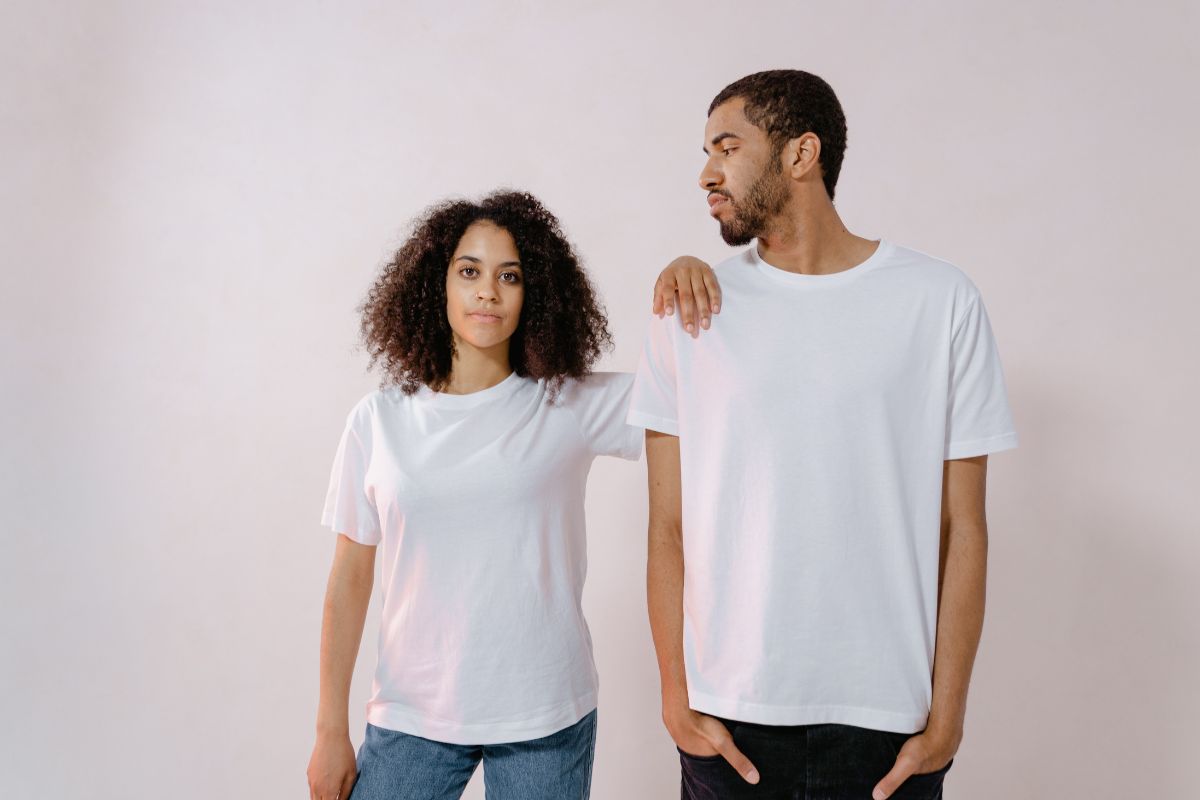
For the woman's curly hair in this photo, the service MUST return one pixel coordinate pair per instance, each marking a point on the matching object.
(562, 328)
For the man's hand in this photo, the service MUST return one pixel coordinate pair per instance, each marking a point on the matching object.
(925, 752)
(701, 735)
(699, 293)
(331, 770)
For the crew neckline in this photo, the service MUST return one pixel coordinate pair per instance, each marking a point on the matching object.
(802, 281)
(472, 399)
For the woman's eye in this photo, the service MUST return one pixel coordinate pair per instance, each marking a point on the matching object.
(511, 277)
(465, 270)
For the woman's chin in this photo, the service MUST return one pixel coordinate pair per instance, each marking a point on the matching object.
(485, 342)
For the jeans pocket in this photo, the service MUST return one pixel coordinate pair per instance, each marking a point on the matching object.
(701, 759)
(941, 771)
(896, 740)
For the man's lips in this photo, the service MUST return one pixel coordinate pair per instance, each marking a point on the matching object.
(716, 197)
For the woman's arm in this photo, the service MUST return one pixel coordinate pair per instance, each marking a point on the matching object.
(331, 770)
(699, 293)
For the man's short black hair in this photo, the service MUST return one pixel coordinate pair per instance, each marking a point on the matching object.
(787, 103)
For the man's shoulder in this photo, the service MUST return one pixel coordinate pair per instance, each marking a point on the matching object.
(737, 261)
(736, 272)
(932, 271)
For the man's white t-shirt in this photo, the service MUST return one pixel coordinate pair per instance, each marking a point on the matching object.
(476, 503)
(813, 419)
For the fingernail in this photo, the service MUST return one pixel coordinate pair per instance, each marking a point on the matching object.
(878, 794)
(716, 308)
(704, 322)
(689, 327)
(752, 776)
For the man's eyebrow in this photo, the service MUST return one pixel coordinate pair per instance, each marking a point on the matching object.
(720, 137)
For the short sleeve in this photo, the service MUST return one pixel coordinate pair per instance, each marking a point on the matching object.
(654, 404)
(599, 402)
(978, 418)
(349, 508)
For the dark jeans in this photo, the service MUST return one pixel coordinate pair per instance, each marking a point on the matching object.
(806, 762)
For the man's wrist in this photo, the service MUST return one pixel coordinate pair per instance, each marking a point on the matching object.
(674, 695)
(945, 728)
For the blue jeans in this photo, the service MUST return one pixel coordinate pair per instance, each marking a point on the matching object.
(805, 762)
(399, 766)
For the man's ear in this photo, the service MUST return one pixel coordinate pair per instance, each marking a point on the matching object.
(802, 154)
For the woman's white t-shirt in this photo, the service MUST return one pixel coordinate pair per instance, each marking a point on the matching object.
(477, 504)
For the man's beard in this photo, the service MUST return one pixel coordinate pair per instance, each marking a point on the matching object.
(765, 199)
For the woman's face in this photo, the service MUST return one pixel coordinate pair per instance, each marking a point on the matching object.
(484, 287)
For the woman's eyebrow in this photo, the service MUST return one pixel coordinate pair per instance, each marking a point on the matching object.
(475, 260)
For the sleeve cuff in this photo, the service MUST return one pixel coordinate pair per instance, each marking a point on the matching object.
(368, 536)
(981, 447)
(650, 422)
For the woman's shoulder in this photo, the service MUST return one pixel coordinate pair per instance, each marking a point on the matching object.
(599, 381)
(595, 386)
(382, 400)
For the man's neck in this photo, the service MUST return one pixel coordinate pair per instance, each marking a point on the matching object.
(813, 242)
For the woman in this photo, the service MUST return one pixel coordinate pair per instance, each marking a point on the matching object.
(468, 471)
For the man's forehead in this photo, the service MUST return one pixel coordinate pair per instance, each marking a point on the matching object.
(729, 114)
(729, 111)
(728, 119)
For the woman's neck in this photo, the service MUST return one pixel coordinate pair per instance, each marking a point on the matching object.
(474, 370)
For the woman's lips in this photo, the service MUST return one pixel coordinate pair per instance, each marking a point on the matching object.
(479, 316)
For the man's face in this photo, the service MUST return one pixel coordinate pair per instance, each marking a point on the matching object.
(743, 175)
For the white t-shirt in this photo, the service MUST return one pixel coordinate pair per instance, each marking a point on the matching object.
(813, 420)
(476, 502)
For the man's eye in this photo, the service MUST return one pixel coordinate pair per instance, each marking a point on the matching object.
(727, 150)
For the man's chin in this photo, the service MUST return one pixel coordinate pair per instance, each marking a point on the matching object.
(735, 237)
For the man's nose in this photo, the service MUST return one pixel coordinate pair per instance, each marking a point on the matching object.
(710, 178)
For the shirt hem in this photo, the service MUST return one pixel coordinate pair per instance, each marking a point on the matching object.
(396, 717)
(640, 419)
(367, 536)
(980, 447)
(872, 718)
(633, 449)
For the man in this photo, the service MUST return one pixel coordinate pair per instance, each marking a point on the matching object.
(817, 462)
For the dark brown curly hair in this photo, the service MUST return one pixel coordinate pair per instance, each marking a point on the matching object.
(562, 328)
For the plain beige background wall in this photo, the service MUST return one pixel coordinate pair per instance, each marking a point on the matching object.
(196, 196)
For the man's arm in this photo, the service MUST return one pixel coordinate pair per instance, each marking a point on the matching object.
(962, 582)
(694, 733)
